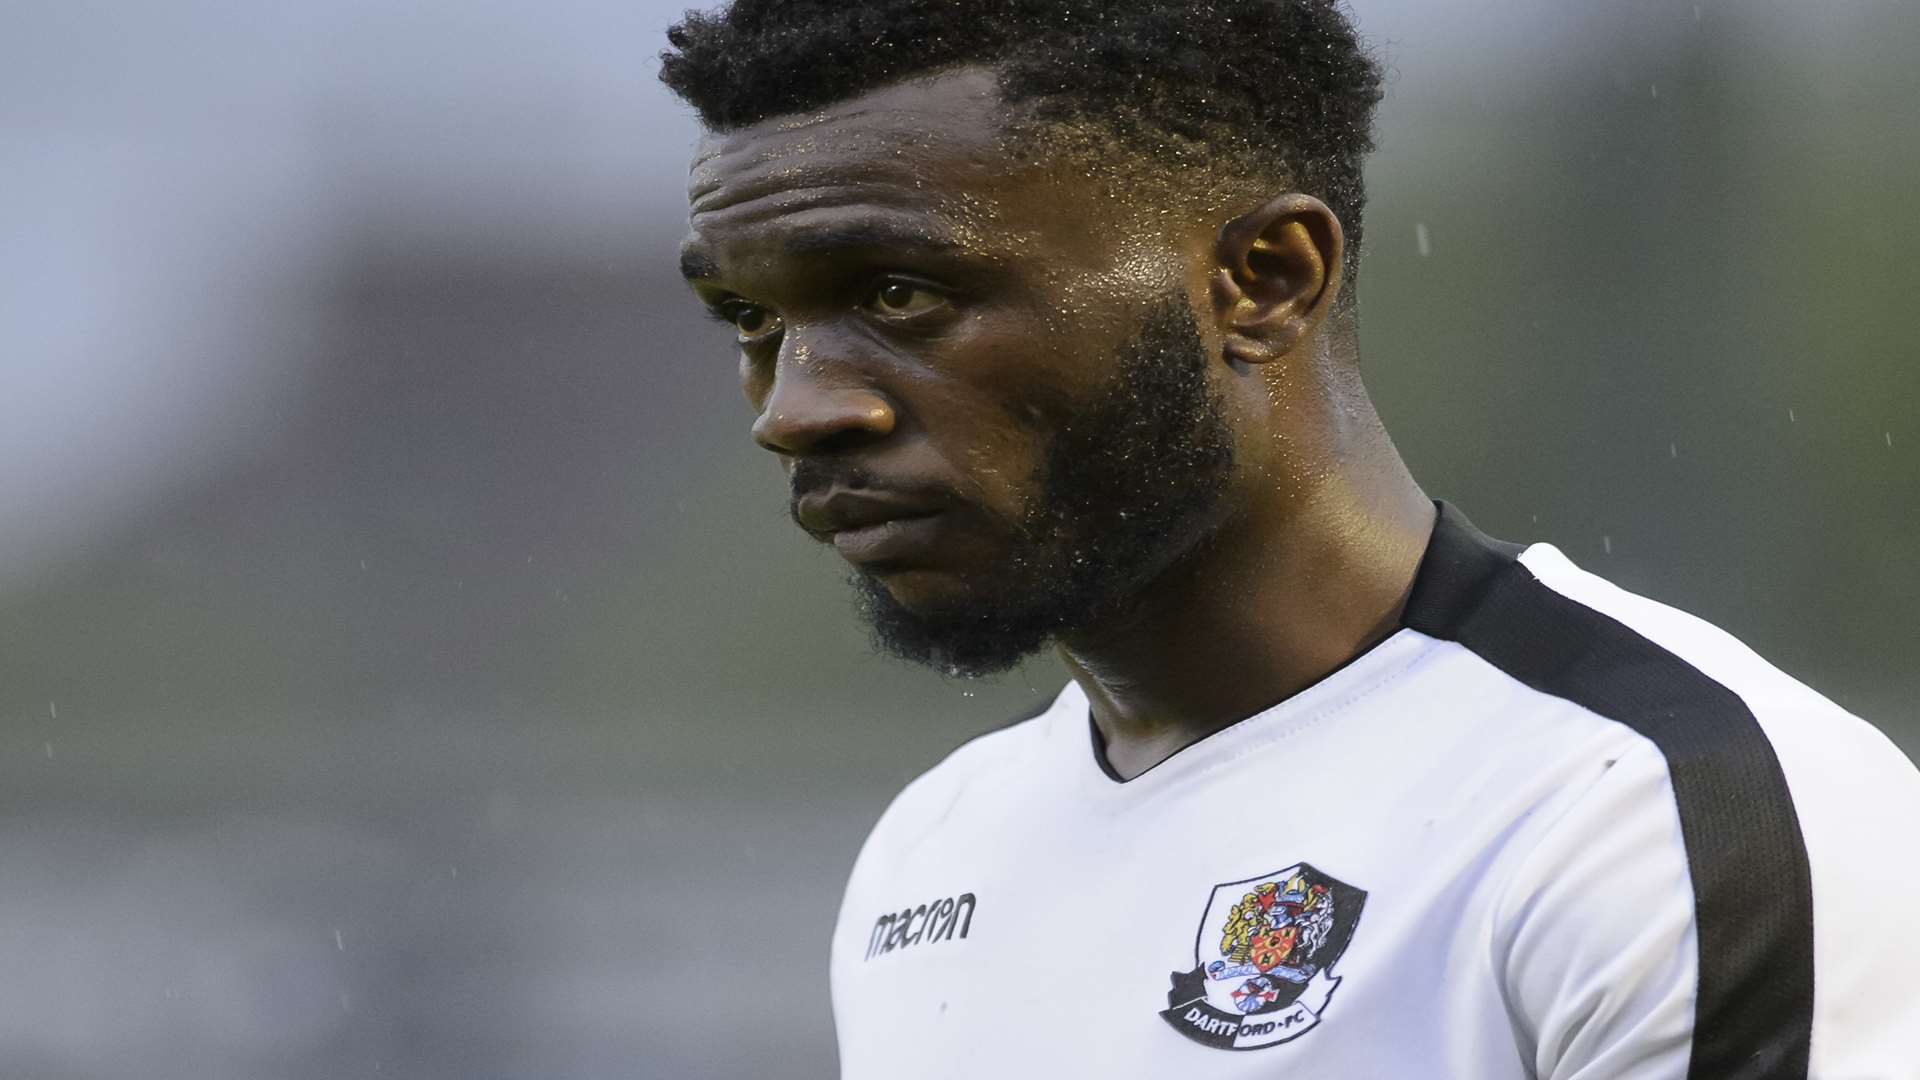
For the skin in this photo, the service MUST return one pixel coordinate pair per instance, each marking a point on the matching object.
(912, 288)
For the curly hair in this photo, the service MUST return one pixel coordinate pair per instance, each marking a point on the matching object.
(1273, 93)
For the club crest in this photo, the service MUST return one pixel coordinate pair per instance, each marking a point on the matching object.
(1263, 959)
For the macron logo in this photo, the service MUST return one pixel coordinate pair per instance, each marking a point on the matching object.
(925, 924)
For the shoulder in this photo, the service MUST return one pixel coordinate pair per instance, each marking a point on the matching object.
(1826, 753)
(1778, 805)
(1752, 753)
(1733, 729)
(1757, 761)
(1686, 902)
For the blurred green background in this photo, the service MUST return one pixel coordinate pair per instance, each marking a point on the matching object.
(407, 668)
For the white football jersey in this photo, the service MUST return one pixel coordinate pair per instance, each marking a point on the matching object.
(1547, 829)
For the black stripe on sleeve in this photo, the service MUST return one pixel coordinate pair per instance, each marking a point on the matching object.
(1752, 889)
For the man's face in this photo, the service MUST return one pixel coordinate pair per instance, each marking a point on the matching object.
(987, 385)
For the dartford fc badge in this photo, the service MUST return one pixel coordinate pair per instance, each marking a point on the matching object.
(1263, 960)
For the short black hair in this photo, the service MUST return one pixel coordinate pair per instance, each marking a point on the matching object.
(1261, 91)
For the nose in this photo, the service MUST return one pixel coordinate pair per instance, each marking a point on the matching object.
(811, 412)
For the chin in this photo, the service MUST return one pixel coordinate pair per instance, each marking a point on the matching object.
(935, 620)
(922, 591)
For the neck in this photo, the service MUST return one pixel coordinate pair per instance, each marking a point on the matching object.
(1294, 586)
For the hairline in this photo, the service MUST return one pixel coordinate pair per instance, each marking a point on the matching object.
(1220, 188)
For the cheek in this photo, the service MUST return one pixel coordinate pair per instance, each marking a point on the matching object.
(756, 382)
(996, 455)
(990, 404)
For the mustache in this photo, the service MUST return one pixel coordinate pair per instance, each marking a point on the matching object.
(810, 475)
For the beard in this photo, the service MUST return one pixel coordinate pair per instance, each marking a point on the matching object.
(1131, 481)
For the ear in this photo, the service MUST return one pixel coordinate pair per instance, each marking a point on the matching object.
(1277, 274)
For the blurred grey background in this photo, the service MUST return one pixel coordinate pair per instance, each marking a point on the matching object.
(406, 667)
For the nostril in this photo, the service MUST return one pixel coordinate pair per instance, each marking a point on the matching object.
(846, 439)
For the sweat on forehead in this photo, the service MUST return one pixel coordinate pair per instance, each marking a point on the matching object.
(950, 124)
(946, 145)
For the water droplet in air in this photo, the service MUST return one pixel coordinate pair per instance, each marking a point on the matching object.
(53, 710)
(1422, 239)
(1606, 542)
(1673, 450)
(339, 942)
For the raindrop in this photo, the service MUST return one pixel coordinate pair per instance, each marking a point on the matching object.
(1673, 450)
(1654, 89)
(53, 710)
(49, 751)
(1792, 419)
(1606, 542)
(344, 1007)
(1423, 239)
(1696, 13)
(338, 941)
(1889, 440)
(363, 564)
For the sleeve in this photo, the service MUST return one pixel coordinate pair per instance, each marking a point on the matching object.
(1594, 935)
(1858, 801)
(1596, 938)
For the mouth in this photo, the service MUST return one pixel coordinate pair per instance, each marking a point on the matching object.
(893, 540)
(871, 526)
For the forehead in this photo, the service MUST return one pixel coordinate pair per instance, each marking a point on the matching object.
(932, 157)
(906, 126)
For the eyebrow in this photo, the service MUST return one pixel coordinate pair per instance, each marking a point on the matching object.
(859, 235)
(697, 265)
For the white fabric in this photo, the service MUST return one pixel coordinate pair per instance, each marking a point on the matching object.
(1859, 810)
(1527, 910)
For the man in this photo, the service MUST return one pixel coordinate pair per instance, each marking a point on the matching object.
(1046, 307)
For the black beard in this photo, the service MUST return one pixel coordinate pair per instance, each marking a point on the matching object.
(1131, 482)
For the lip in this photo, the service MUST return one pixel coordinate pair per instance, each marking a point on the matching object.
(891, 540)
(872, 525)
(842, 509)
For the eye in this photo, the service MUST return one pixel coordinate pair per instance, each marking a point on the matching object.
(751, 321)
(904, 299)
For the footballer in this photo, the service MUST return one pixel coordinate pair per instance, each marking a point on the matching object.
(1047, 308)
